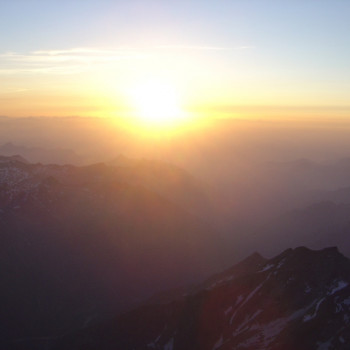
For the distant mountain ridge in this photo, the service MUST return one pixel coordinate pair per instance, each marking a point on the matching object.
(165, 179)
(14, 158)
(42, 155)
(299, 299)
(320, 224)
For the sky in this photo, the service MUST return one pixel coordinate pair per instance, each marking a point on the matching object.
(223, 58)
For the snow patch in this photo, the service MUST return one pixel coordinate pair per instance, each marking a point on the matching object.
(224, 280)
(338, 308)
(227, 311)
(252, 341)
(272, 329)
(346, 301)
(340, 285)
(218, 343)
(267, 267)
(310, 317)
(239, 299)
(250, 295)
(154, 342)
(281, 263)
(324, 346)
(246, 321)
(307, 289)
(169, 345)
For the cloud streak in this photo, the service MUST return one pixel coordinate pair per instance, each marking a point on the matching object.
(69, 61)
(191, 47)
(202, 48)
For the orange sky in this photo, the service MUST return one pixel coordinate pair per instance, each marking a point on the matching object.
(227, 59)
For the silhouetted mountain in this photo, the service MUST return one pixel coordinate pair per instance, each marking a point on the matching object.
(80, 243)
(311, 175)
(299, 299)
(14, 158)
(42, 155)
(339, 196)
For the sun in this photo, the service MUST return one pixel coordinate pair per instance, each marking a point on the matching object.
(156, 104)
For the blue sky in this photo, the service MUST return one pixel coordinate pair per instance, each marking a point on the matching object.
(248, 52)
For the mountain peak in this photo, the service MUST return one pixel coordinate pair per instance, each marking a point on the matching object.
(304, 252)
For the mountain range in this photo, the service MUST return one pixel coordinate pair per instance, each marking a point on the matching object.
(81, 243)
(134, 237)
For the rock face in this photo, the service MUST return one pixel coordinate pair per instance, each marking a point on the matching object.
(298, 300)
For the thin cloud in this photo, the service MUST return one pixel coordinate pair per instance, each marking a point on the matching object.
(190, 47)
(87, 51)
(14, 90)
(69, 61)
(202, 48)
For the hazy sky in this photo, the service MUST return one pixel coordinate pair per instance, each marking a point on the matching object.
(80, 57)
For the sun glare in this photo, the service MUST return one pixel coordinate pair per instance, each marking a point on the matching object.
(156, 104)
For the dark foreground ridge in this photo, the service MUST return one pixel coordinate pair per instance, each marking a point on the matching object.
(299, 299)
